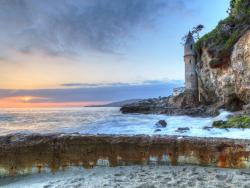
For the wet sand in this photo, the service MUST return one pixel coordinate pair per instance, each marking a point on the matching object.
(135, 177)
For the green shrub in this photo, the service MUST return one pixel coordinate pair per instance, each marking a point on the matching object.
(220, 41)
(234, 122)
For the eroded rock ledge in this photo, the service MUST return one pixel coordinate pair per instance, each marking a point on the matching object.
(183, 104)
(22, 154)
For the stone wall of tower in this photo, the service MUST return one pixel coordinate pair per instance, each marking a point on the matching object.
(191, 81)
(191, 78)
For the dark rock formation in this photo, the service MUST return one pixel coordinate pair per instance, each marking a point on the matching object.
(182, 129)
(161, 123)
(157, 130)
(207, 128)
(183, 104)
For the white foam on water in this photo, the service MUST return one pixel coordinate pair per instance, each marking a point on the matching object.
(109, 121)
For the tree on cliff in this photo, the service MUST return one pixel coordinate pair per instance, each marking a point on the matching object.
(195, 32)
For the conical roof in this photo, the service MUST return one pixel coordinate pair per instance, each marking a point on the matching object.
(190, 38)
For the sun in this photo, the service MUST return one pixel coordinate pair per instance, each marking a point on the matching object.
(26, 98)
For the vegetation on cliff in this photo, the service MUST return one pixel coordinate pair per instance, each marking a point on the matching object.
(220, 41)
(234, 122)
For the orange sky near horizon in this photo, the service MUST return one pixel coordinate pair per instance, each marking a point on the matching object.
(27, 102)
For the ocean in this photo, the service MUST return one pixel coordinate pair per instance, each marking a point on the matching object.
(108, 120)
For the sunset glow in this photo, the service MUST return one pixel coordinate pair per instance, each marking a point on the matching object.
(30, 102)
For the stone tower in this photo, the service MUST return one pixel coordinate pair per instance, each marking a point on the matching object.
(191, 79)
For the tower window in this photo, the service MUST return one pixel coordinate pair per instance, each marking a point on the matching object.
(190, 61)
(191, 46)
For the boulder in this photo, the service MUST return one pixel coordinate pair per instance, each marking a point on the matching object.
(207, 128)
(157, 130)
(161, 123)
(182, 129)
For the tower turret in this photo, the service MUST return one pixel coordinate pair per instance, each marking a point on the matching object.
(191, 79)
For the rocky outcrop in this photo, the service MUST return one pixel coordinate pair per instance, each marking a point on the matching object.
(23, 154)
(228, 84)
(183, 104)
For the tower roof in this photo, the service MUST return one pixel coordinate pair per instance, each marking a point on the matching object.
(190, 38)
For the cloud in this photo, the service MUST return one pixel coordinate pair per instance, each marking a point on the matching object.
(79, 85)
(87, 85)
(61, 27)
(109, 92)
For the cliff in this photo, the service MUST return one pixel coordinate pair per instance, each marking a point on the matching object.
(228, 84)
(224, 59)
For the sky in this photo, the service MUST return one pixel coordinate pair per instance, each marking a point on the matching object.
(83, 52)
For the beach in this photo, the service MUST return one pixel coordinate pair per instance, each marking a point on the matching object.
(135, 177)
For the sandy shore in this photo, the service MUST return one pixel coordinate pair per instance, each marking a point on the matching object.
(135, 177)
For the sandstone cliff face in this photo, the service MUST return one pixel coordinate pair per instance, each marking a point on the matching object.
(230, 82)
(240, 62)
